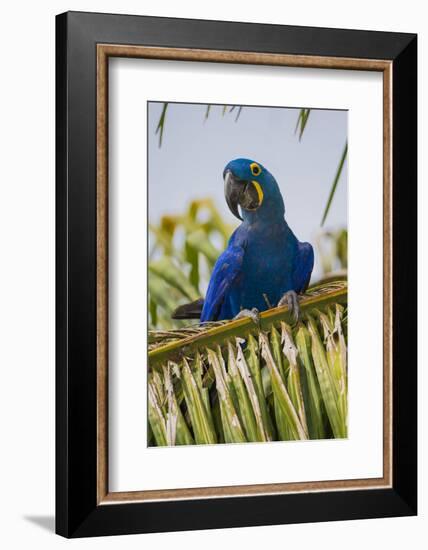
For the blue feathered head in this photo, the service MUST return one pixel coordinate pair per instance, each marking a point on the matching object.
(250, 186)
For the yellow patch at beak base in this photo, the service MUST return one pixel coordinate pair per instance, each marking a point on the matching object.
(259, 191)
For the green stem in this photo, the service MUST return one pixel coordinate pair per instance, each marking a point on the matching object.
(161, 123)
(335, 182)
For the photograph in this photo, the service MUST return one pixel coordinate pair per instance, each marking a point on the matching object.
(247, 273)
(212, 275)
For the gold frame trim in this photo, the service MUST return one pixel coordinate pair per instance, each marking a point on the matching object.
(104, 51)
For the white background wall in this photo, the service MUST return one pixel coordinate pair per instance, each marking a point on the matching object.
(27, 271)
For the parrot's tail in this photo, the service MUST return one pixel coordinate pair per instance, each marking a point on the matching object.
(189, 311)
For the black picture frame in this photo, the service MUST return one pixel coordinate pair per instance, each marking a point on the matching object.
(77, 512)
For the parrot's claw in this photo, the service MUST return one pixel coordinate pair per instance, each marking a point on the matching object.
(253, 314)
(291, 300)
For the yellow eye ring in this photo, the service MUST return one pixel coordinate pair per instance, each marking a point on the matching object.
(255, 169)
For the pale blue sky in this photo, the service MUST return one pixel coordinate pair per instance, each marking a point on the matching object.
(190, 163)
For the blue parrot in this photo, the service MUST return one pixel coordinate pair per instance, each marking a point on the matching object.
(264, 264)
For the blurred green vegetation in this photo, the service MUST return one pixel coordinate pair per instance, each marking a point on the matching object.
(332, 248)
(183, 250)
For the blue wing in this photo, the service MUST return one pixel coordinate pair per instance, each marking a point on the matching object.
(226, 270)
(304, 266)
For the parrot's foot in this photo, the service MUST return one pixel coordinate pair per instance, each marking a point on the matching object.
(291, 300)
(253, 314)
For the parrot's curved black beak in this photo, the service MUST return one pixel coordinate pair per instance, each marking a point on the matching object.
(233, 189)
(243, 193)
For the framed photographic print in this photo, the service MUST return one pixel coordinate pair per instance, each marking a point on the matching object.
(236, 274)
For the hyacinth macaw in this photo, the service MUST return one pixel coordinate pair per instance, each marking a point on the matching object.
(264, 265)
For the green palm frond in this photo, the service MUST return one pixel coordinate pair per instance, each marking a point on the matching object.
(335, 182)
(302, 120)
(161, 124)
(235, 382)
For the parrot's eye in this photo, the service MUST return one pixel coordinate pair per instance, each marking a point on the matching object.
(255, 169)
